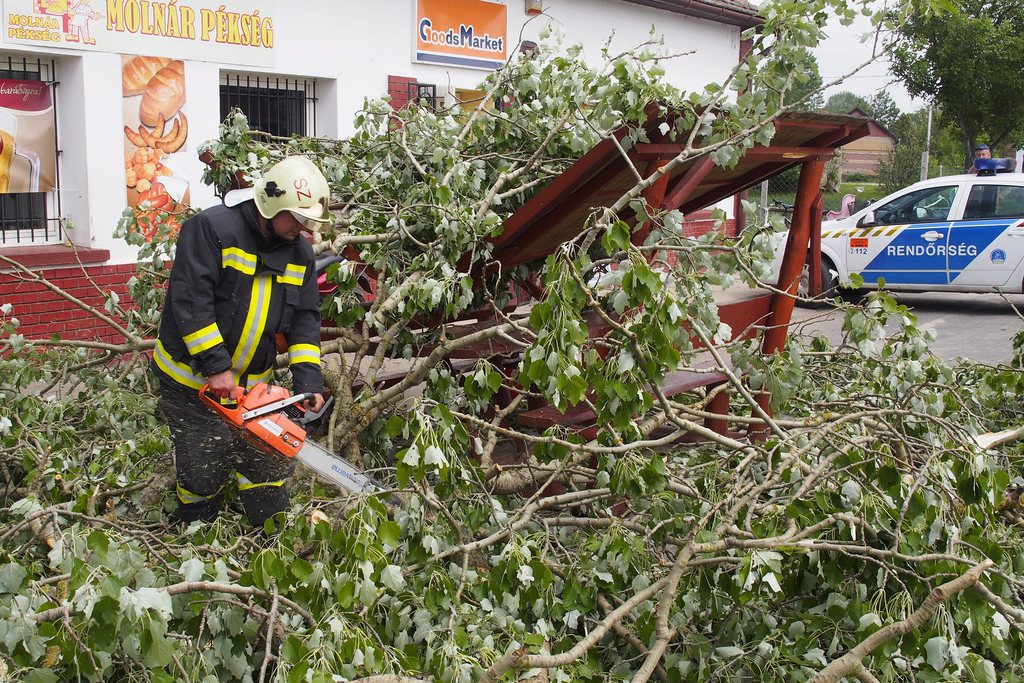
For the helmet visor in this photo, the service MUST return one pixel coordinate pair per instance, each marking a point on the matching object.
(306, 222)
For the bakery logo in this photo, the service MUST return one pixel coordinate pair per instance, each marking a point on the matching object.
(171, 20)
(32, 28)
(229, 31)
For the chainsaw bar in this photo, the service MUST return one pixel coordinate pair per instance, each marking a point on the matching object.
(335, 470)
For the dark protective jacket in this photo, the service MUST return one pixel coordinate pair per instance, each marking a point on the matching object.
(231, 291)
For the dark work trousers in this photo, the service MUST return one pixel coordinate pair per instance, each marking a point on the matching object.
(208, 453)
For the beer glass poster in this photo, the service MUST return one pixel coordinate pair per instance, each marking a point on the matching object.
(28, 151)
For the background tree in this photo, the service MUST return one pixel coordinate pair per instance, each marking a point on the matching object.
(969, 63)
(903, 165)
(806, 89)
(883, 109)
(845, 101)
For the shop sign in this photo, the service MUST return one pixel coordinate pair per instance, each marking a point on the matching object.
(229, 32)
(467, 33)
(28, 156)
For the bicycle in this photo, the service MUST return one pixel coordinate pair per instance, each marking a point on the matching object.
(781, 207)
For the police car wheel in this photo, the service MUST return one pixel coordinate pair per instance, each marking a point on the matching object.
(829, 285)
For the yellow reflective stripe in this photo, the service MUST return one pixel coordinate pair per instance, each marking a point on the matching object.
(293, 274)
(892, 232)
(246, 485)
(187, 497)
(303, 353)
(204, 339)
(255, 322)
(265, 377)
(233, 257)
(179, 372)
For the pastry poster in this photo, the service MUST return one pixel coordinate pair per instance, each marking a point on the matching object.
(155, 133)
(28, 156)
(226, 31)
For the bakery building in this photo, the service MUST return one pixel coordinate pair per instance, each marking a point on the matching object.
(103, 103)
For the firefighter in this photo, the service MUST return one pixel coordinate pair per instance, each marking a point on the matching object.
(241, 275)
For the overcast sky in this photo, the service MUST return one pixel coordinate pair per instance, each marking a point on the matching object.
(843, 51)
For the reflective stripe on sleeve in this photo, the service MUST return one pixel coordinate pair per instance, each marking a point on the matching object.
(293, 274)
(303, 353)
(233, 257)
(246, 485)
(204, 339)
(179, 372)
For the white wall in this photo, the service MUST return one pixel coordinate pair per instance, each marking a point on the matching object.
(378, 41)
(351, 50)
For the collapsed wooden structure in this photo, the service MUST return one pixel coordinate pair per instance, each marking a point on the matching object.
(559, 212)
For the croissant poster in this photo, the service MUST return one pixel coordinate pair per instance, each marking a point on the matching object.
(230, 31)
(28, 157)
(155, 135)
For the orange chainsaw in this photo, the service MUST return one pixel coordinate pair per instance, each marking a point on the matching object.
(261, 415)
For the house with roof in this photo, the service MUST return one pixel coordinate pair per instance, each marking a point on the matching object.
(862, 156)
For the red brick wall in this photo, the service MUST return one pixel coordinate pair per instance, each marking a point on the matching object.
(43, 313)
(398, 88)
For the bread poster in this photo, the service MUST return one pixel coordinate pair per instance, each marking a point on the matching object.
(155, 135)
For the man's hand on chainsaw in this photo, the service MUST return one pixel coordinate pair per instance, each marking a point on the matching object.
(222, 385)
(315, 404)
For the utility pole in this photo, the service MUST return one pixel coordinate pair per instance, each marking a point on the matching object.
(927, 146)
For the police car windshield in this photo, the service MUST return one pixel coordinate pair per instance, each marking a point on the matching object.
(929, 204)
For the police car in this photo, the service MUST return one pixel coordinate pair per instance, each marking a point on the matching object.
(962, 233)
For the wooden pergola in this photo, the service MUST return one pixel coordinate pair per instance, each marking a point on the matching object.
(559, 212)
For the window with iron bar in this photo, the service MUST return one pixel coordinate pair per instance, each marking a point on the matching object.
(278, 105)
(425, 93)
(31, 217)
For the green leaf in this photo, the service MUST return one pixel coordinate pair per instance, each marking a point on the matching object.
(389, 533)
(157, 651)
(12, 576)
(40, 676)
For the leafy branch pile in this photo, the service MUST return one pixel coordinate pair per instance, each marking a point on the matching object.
(863, 535)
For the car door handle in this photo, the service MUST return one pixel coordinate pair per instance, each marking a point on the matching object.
(931, 235)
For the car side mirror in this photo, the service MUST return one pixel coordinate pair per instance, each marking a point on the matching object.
(867, 220)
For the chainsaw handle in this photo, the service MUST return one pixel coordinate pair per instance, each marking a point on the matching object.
(231, 413)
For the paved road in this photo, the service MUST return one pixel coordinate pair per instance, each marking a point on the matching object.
(975, 326)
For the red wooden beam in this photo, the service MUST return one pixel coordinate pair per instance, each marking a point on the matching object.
(656, 150)
(687, 183)
(654, 196)
(794, 257)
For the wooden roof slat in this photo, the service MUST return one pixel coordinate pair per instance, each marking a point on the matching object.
(558, 212)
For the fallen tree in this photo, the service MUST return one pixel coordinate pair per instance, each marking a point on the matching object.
(865, 536)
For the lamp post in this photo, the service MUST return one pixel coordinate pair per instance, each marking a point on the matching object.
(927, 146)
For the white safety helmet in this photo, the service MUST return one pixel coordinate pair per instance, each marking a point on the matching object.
(294, 184)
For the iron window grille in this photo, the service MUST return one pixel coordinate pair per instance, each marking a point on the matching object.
(426, 94)
(277, 105)
(32, 217)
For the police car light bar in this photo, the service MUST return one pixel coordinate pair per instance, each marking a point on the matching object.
(993, 166)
